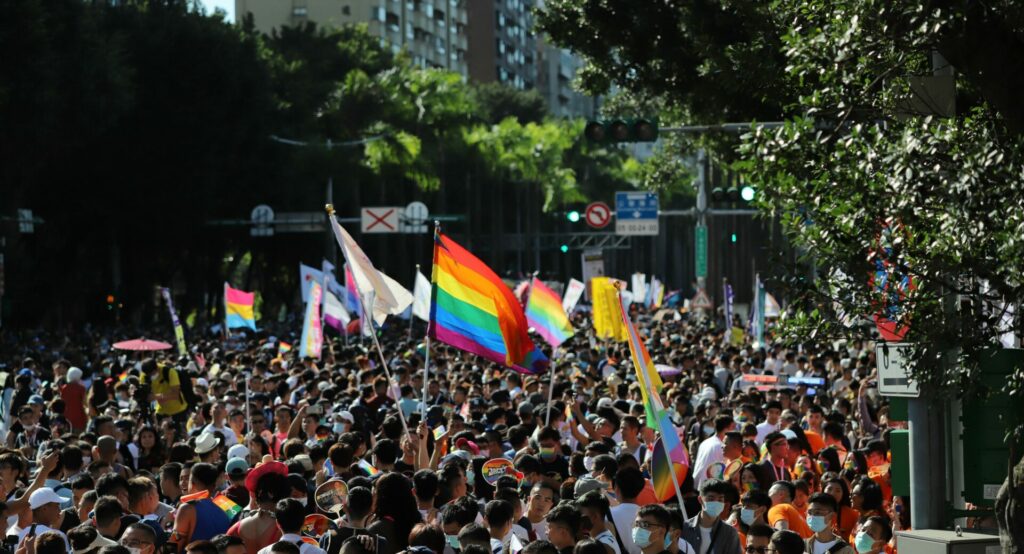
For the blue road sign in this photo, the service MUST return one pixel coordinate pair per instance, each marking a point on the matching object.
(636, 213)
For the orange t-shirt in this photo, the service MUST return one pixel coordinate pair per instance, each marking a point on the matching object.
(795, 523)
(847, 521)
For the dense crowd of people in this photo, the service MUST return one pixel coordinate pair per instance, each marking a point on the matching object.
(234, 448)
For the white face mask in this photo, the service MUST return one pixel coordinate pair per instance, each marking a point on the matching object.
(29, 428)
(302, 500)
(86, 460)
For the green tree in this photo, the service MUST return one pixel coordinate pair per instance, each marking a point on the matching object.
(859, 156)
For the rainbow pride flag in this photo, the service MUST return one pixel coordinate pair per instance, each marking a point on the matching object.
(545, 314)
(473, 310)
(657, 416)
(228, 505)
(662, 481)
(283, 347)
(369, 469)
(238, 308)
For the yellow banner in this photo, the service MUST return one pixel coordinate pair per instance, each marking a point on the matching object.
(607, 317)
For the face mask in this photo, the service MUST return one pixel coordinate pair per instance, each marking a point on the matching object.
(668, 541)
(641, 537)
(453, 541)
(86, 460)
(339, 428)
(548, 454)
(588, 463)
(816, 523)
(714, 508)
(134, 550)
(747, 516)
(302, 500)
(470, 478)
(29, 428)
(864, 542)
(709, 430)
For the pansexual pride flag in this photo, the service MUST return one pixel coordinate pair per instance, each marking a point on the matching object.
(238, 308)
(545, 314)
(473, 310)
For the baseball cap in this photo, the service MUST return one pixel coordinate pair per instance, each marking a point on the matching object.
(236, 467)
(74, 374)
(238, 451)
(36, 399)
(42, 497)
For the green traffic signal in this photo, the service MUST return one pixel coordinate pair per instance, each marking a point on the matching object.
(573, 216)
(564, 248)
(622, 130)
(747, 193)
(734, 237)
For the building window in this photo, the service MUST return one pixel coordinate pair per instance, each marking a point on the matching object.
(299, 12)
(345, 10)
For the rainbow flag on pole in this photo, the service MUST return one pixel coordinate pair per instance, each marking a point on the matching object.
(657, 416)
(238, 308)
(545, 314)
(473, 310)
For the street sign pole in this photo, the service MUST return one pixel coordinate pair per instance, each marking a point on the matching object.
(700, 232)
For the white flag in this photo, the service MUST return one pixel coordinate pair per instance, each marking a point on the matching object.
(369, 282)
(573, 292)
(307, 276)
(421, 297)
(403, 299)
(335, 313)
(639, 286)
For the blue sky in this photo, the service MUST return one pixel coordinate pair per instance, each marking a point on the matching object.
(226, 5)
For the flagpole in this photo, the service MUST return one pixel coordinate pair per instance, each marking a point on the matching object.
(380, 351)
(248, 410)
(642, 374)
(411, 315)
(426, 338)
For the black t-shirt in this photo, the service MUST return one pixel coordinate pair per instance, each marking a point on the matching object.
(559, 465)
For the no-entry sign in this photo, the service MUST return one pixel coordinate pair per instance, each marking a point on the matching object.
(598, 215)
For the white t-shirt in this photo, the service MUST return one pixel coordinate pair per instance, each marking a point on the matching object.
(39, 530)
(540, 529)
(623, 517)
(229, 436)
(822, 547)
(763, 430)
(606, 537)
(304, 547)
(710, 451)
(705, 539)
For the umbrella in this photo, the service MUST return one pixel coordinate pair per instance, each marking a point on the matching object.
(141, 345)
(662, 369)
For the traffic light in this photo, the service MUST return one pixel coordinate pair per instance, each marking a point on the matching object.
(622, 130)
(747, 193)
(573, 216)
(564, 248)
(733, 237)
(110, 301)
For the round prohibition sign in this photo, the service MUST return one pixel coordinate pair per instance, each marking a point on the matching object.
(598, 215)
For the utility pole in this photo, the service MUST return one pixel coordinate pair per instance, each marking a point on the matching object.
(702, 212)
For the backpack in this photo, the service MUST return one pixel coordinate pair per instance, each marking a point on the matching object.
(188, 394)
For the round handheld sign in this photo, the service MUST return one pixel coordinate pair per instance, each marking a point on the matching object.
(497, 468)
(330, 496)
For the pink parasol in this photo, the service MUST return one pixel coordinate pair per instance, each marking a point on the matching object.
(141, 345)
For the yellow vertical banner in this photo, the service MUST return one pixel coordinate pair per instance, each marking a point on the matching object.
(608, 322)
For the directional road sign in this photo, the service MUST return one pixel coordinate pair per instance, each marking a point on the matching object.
(598, 215)
(380, 220)
(636, 213)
